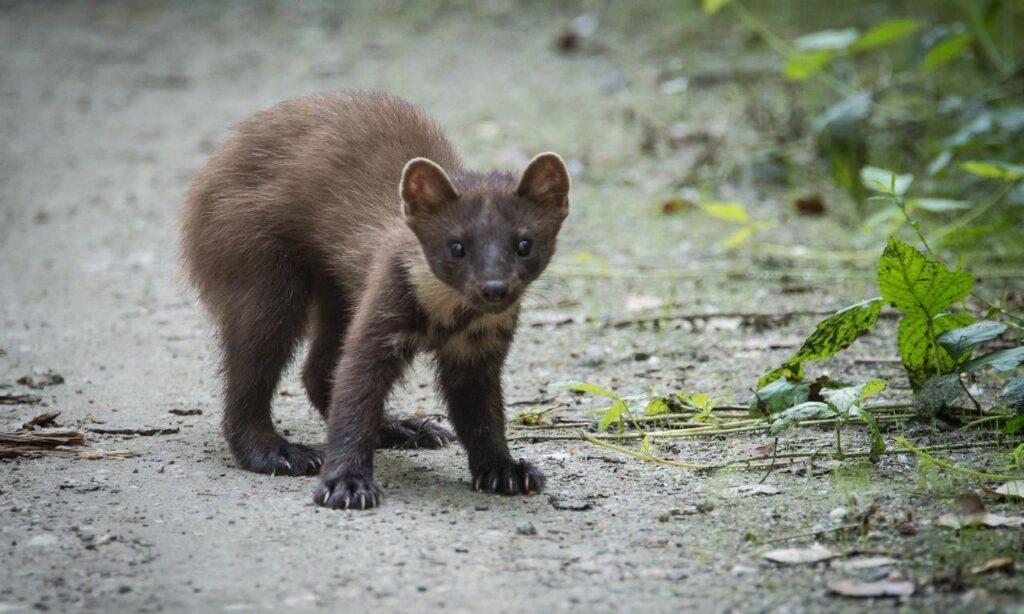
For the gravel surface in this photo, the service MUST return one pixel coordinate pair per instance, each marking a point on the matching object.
(106, 112)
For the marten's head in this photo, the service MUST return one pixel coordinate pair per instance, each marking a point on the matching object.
(487, 235)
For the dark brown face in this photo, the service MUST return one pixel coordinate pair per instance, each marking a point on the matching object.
(487, 236)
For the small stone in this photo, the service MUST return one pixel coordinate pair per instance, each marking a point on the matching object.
(526, 529)
(43, 540)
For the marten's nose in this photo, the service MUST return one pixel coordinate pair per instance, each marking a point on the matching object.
(494, 291)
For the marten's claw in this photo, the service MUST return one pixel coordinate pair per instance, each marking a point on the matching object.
(508, 478)
(348, 492)
(414, 433)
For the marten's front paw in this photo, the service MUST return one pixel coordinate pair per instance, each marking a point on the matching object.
(348, 492)
(508, 478)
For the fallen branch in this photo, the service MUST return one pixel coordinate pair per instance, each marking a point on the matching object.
(47, 439)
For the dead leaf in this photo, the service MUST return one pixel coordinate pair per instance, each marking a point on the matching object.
(44, 419)
(810, 205)
(881, 588)
(986, 519)
(971, 512)
(1001, 563)
(675, 206)
(870, 562)
(800, 556)
(1012, 490)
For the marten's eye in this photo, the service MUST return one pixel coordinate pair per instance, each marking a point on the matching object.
(456, 249)
(523, 247)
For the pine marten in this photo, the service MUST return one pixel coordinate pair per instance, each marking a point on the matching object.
(348, 217)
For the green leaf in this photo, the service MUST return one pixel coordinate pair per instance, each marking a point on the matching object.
(885, 181)
(946, 51)
(877, 443)
(739, 237)
(832, 335)
(656, 406)
(843, 119)
(713, 6)
(697, 401)
(994, 170)
(802, 65)
(912, 281)
(1013, 395)
(847, 399)
(827, 39)
(1001, 360)
(1014, 425)
(590, 389)
(779, 395)
(886, 33)
(811, 410)
(940, 162)
(962, 340)
(920, 351)
(730, 212)
(612, 415)
(938, 205)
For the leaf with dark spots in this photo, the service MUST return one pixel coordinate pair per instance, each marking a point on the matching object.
(913, 282)
(921, 353)
(832, 335)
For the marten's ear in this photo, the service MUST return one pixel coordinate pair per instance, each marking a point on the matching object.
(425, 187)
(546, 182)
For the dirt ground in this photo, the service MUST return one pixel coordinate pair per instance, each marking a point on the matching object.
(106, 112)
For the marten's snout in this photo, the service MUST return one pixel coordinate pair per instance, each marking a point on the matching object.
(494, 291)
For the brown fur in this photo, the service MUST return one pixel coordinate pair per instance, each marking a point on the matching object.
(334, 217)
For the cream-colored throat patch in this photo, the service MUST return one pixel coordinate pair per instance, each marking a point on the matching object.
(443, 306)
(439, 301)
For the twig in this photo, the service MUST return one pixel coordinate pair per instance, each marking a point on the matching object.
(783, 538)
(977, 405)
(724, 315)
(981, 475)
(644, 457)
(775, 451)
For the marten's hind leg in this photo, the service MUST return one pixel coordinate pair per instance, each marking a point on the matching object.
(413, 432)
(261, 321)
(332, 312)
